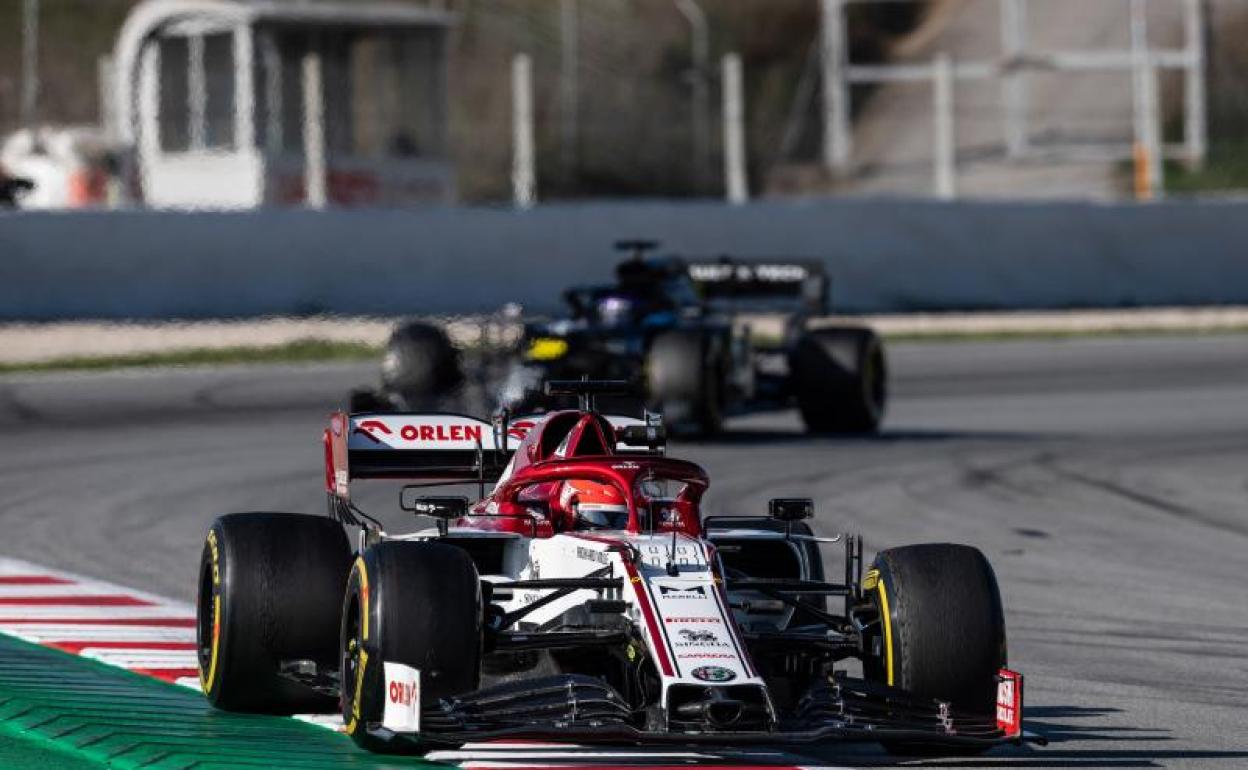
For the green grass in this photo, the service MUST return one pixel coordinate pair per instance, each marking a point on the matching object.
(1225, 170)
(299, 351)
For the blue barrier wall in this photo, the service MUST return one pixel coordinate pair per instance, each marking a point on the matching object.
(883, 256)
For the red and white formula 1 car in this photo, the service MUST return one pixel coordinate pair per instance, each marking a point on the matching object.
(587, 599)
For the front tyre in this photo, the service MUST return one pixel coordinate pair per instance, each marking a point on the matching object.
(270, 585)
(415, 603)
(942, 628)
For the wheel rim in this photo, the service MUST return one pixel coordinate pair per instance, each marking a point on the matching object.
(205, 616)
(874, 382)
(351, 644)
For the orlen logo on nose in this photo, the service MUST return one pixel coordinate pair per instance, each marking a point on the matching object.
(402, 693)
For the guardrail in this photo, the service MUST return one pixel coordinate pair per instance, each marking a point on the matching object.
(883, 256)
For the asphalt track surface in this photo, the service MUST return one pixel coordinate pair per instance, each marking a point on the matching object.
(1106, 479)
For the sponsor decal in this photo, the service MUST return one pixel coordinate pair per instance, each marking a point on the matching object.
(589, 554)
(547, 348)
(871, 580)
(698, 635)
(694, 620)
(402, 706)
(707, 656)
(765, 273)
(520, 429)
(372, 428)
(713, 674)
(1009, 701)
(628, 466)
(678, 592)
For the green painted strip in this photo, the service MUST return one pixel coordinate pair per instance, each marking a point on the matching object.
(61, 711)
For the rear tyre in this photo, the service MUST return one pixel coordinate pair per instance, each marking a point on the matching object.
(270, 587)
(942, 632)
(420, 365)
(413, 603)
(840, 378)
(366, 400)
(686, 376)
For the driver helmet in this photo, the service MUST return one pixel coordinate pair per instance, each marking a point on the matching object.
(614, 310)
(594, 505)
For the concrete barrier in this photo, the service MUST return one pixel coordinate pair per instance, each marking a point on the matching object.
(884, 256)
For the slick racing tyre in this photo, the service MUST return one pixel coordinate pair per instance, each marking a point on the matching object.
(270, 586)
(685, 376)
(413, 603)
(367, 400)
(840, 379)
(420, 365)
(942, 629)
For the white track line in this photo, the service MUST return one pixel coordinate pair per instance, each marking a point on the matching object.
(51, 633)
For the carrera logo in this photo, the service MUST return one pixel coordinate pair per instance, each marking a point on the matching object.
(676, 592)
(707, 656)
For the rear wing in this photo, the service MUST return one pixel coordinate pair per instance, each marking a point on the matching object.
(437, 447)
(762, 284)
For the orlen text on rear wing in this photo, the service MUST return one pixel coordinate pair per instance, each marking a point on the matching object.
(437, 448)
(762, 284)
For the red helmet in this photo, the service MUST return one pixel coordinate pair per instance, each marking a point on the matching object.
(594, 505)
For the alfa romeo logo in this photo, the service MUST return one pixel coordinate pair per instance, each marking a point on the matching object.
(713, 674)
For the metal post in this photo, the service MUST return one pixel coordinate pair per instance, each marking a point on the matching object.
(244, 88)
(945, 141)
(196, 92)
(1150, 179)
(700, 49)
(523, 177)
(30, 63)
(734, 131)
(569, 86)
(837, 136)
(1139, 66)
(104, 74)
(315, 184)
(1013, 83)
(1195, 130)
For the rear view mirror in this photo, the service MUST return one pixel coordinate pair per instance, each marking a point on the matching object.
(439, 507)
(651, 437)
(791, 508)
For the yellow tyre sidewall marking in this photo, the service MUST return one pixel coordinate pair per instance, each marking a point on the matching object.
(206, 680)
(365, 611)
(888, 631)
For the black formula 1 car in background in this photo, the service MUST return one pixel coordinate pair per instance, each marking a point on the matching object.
(685, 331)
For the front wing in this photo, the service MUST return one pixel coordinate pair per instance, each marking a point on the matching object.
(583, 709)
